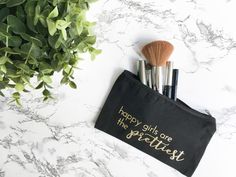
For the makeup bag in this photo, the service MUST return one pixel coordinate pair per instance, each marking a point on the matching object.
(168, 130)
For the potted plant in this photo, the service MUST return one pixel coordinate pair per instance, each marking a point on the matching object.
(39, 38)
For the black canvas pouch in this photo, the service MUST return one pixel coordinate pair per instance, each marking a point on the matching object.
(168, 130)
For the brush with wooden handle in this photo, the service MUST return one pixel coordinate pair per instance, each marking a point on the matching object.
(157, 53)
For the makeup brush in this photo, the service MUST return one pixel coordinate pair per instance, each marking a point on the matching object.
(174, 84)
(157, 53)
(168, 82)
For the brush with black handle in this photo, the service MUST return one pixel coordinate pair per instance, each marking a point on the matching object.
(174, 84)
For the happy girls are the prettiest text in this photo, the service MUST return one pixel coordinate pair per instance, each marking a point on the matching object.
(148, 134)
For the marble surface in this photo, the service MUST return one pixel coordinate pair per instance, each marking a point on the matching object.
(57, 138)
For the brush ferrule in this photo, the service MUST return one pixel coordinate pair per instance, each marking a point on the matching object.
(142, 71)
(159, 79)
(169, 72)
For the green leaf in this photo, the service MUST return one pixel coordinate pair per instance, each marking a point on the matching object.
(54, 13)
(64, 34)
(44, 15)
(36, 52)
(7, 38)
(12, 73)
(33, 61)
(4, 12)
(62, 24)
(39, 86)
(46, 93)
(14, 41)
(11, 85)
(67, 69)
(16, 25)
(82, 47)
(4, 29)
(45, 68)
(47, 71)
(79, 27)
(2, 94)
(51, 24)
(3, 60)
(20, 13)
(12, 3)
(64, 80)
(31, 50)
(72, 85)
(45, 98)
(16, 95)
(94, 53)
(51, 27)
(31, 39)
(73, 61)
(3, 69)
(46, 79)
(37, 14)
(26, 79)
(1, 78)
(3, 85)
(24, 67)
(30, 24)
(30, 11)
(42, 3)
(90, 40)
(19, 87)
(55, 2)
(48, 86)
(18, 102)
(54, 41)
(42, 19)
(27, 91)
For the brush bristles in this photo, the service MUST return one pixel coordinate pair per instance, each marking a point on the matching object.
(158, 52)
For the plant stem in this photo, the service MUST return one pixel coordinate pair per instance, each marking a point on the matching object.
(72, 67)
(27, 58)
(7, 40)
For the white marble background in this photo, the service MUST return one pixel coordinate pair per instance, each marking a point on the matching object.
(57, 138)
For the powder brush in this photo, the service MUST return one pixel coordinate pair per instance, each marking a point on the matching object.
(157, 53)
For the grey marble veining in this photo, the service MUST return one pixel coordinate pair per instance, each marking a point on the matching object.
(58, 139)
